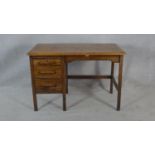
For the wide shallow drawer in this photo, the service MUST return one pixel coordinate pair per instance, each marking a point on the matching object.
(47, 61)
(48, 72)
(93, 58)
(48, 85)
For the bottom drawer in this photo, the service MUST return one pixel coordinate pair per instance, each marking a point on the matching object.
(49, 85)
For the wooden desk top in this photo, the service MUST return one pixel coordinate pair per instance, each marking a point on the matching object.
(75, 49)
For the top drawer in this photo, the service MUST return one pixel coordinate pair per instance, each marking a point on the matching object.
(47, 61)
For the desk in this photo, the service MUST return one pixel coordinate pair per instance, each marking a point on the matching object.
(48, 63)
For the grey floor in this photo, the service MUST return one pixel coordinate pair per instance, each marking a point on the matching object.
(85, 102)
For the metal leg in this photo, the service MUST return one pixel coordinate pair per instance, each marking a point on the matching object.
(112, 76)
(120, 83)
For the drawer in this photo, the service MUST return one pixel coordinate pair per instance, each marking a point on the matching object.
(48, 72)
(48, 85)
(47, 62)
(94, 57)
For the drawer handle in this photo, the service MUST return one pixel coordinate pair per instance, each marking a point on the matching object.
(87, 55)
(47, 72)
(49, 62)
(45, 63)
(49, 85)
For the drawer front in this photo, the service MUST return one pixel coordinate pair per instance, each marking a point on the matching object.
(93, 58)
(47, 62)
(48, 72)
(49, 85)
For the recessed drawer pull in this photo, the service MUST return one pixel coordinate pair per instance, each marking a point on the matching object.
(45, 63)
(47, 72)
(49, 85)
(49, 62)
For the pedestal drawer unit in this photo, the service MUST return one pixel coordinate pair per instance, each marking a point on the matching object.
(47, 75)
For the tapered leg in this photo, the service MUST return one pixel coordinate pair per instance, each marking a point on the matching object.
(64, 102)
(65, 89)
(112, 76)
(35, 101)
(120, 83)
(33, 87)
(66, 75)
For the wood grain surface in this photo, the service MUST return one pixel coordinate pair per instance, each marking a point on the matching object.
(75, 49)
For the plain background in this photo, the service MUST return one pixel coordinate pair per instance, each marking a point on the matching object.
(87, 99)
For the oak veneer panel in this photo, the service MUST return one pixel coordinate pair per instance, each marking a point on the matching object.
(48, 72)
(49, 85)
(115, 58)
(46, 61)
